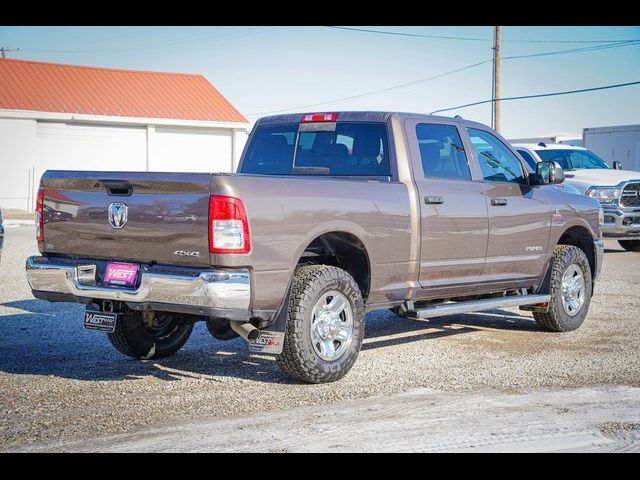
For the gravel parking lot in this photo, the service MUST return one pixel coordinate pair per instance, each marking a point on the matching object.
(60, 382)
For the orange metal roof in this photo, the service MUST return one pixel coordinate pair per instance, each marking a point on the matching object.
(53, 87)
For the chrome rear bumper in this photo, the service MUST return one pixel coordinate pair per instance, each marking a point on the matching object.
(209, 292)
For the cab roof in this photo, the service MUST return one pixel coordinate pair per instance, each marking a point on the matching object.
(360, 116)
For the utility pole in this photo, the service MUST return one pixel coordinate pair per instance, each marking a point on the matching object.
(4, 50)
(495, 96)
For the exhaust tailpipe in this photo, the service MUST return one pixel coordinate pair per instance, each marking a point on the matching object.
(245, 330)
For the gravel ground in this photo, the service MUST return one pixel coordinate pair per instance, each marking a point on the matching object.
(582, 419)
(58, 381)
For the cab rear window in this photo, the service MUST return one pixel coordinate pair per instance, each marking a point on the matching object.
(349, 149)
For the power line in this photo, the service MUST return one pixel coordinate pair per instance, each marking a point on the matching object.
(375, 92)
(142, 47)
(553, 94)
(403, 34)
(594, 48)
(443, 74)
(473, 39)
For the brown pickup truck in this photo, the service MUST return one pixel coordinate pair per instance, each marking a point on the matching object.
(329, 216)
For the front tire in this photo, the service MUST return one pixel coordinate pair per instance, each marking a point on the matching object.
(148, 334)
(325, 325)
(570, 287)
(630, 245)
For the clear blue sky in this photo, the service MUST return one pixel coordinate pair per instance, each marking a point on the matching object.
(262, 69)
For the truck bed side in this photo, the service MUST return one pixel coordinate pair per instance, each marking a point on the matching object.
(287, 213)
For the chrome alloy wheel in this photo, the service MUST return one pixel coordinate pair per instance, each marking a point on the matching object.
(331, 325)
(573, 290)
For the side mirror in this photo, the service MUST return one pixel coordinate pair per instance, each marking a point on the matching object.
(617, 165)
(548, 173)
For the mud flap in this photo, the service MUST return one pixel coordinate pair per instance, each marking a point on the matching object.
(271, 339)
(543, 288)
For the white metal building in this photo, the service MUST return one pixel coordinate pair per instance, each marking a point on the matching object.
(618, 143)
(56, 116)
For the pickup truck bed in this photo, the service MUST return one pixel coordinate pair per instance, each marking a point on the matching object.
(330, 215)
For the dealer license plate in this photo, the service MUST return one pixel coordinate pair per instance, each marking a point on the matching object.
(102, 321)
(121, 274)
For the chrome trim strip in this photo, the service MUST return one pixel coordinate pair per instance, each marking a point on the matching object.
(477, 260)
(222, 289)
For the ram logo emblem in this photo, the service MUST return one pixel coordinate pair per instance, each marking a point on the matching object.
(118, 215)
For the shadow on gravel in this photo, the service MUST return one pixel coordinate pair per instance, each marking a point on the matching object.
(32, 305)
(49, 339)
(388, 324)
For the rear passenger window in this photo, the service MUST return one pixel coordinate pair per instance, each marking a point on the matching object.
(442, 152)
(271, 150)
(351, 149)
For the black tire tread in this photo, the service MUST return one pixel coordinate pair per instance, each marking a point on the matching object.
(119, 340)
(126, 339)
(563, 256)
(292, 360)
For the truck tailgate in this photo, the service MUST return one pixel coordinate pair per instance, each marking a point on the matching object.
(166, 216)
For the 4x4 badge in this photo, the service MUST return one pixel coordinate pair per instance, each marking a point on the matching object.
(118, 215)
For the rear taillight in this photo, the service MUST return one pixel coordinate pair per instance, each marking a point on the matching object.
(228, 225)
(38, 216)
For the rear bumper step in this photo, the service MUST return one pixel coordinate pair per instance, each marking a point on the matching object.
(200, 292)
(455, 308)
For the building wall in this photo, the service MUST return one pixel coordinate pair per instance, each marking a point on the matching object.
(64, 146)
(240, 137)
(620, 144)
(28, 147)
(189, 149)
(17, 159)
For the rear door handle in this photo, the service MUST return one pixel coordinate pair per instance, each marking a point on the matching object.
(498, 202)
(433, 200)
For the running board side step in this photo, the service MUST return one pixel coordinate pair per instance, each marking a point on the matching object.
(454, 308)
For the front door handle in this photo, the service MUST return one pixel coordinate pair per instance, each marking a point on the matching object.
(498, 202)
(433, 200)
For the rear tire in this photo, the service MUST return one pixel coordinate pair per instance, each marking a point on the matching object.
(146, 335)
(630, 245)
(325, 325)
(570, 287)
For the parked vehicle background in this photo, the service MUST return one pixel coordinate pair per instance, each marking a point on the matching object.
(615, 144)
(562, 138)
(618, 191)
